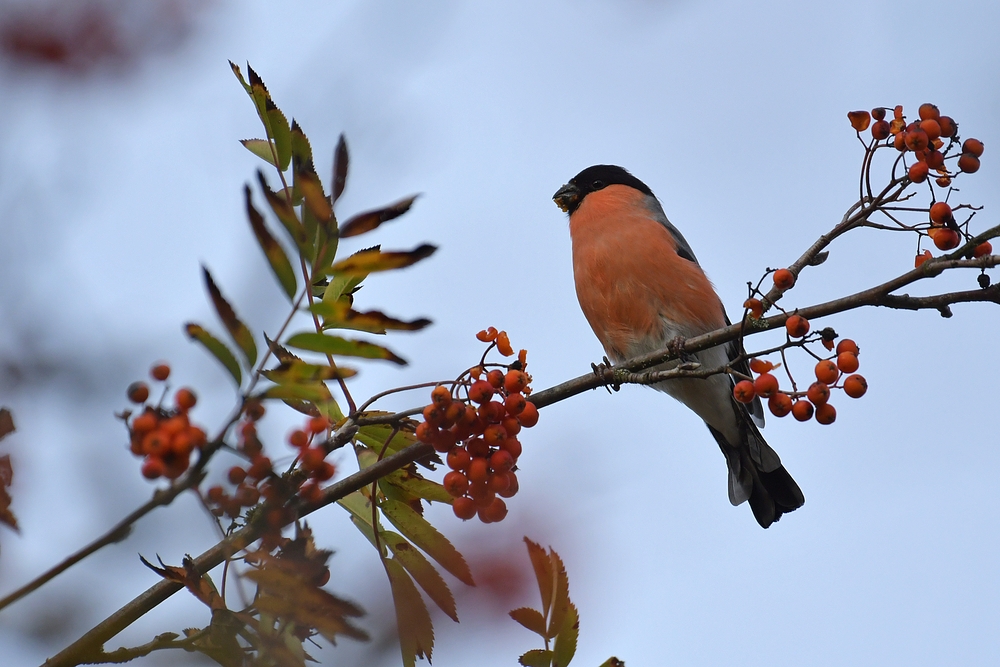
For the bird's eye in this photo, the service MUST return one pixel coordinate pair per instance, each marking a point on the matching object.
(597, 185)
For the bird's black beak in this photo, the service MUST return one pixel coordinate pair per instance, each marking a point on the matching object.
(567, 197)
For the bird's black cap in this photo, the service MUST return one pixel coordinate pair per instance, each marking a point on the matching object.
(570, 196)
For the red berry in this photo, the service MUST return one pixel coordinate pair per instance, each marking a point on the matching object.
(478, 470)
(481, 391)
(744, 391)
(515, 404)
(818, 393)
(945, 238)
(153, 467)
(880, 130)
(779, 404)
(847, 362)
(847, 345)
(968, 163)
(464, 508)
(765, 385)
(138, 392)
(512, 446)
(918, 172)
(318, 425)
(160, 372)
(826, 414)
(855, 386)
(236, 475)
(501, 461)
(440, 396)
(459, 458)
(802, 411)
(826, 371)
(185, 399)
(528, 416)
(928, 111)
(940, 212)
(973, 147)
(456, 484)
(512, 486)
(983, 249)
(298, 439)
(515, 382)
(495, 377)
(797, 326)
(495, 511)
(783, 279)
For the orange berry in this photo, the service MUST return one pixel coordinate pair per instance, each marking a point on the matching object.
(761, 365)
(973, 147)
(515, 382)
(744, 391)
(880, 130)
(214, 494)
(899, 142)
(818, 393)
(765, 385)
(494, 435)
(941, 212)
(928, 111)
(236, 475)
(433, 415)
(492, 413)
(945, 238)
(198, 437)
(528, 416)
(456, 484)
(464, 508)
(826, 414)
(515, 404)
(153, 467)
(921, 258)
(511, 425)
(501, 461)
(512, 446)
(512, 486)
(498, 482)
(318, 425)
(494, 512)
(802, 411)
(185, 399)
(931, 127)
(797, 326)
(481, 392)
(968, 163)
(478, 470)
(174, 425)
(440, 396)
(983, 249)
(145, 423)
(495, 377)
(458, 458)
(855, 386)
(754, 307)
(503, 344)
(847, 362)
(826, 371)
(261, 467)
(915, 138)
(478, 448)
(934, 159)
(298, 439)
(878, 113)
(847, 345)
(784, 279)
(425, 432)
(918, 172)
(948, 126)
(160, 372)
(779, 404)
(138, 392)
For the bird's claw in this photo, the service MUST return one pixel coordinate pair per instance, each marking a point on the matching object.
(600, 370)
(676, 347)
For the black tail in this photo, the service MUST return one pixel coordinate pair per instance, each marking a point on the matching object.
(756, 474)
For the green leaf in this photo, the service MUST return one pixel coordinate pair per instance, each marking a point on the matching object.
(358, 505)
(424, 535)
(311, 392)
(217, 348)
(560, 601)
(416, 485)
(369, 261)
(565, 647)
(285, 213)
(281, 134)
(416, 633)
(340, 161)
(317, 342)
(375, 435)
(369, 220)
(422, 571)
(275, 254)
(531, 619)
(536, 658)
(342, 285)
(261, 148)
(301, 150)
(239, 75)
(340, 315)
(300, 371)
(542, 565)
(240, 333)
(261, 98)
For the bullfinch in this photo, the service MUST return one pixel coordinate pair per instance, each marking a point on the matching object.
(641, 289)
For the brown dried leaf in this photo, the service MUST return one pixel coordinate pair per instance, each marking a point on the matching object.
(859, 120)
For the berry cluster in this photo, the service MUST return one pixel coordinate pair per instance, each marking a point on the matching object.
(480, 443)
(815, 400)
(166, 438)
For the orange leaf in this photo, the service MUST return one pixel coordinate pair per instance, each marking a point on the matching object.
(859, 120)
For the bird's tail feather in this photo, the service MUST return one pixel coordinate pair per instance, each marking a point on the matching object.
(756, 474)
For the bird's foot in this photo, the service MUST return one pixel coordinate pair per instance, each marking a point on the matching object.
(601, 371)
(676, 346)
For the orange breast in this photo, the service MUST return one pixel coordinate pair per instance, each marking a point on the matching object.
(632, 285)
